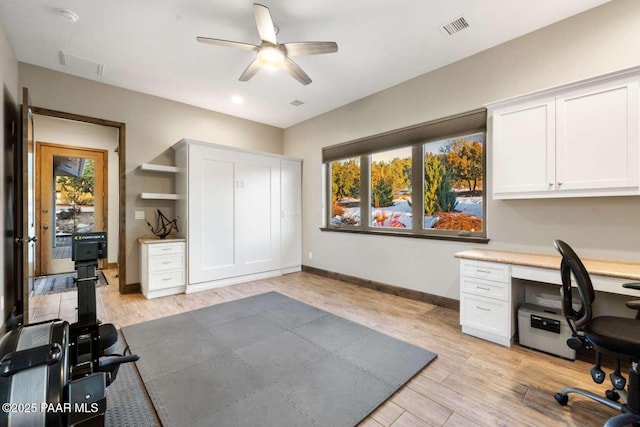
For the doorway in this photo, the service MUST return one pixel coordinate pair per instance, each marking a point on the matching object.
(118, 230)
(71, 197)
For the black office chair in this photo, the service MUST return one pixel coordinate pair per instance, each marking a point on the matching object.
(618, 337)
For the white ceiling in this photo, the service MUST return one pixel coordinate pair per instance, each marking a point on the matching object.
(150, 46)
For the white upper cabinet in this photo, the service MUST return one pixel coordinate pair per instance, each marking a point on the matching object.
(524, 143)
(597, 138)
(578, 140)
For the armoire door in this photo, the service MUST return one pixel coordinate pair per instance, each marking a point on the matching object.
(212, 207)
(290, 214)
(258, 213)
(234, 213)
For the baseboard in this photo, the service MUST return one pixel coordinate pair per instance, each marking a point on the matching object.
(131, 288)
(386, 288)
(231, 281)
(289, 270)
(111, 265)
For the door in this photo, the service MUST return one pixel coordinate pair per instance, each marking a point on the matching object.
(24, 220)
(597, 137)
(72, 190)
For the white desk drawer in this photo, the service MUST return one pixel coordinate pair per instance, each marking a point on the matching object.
(163, 263)
(485, 314)
(166, 248)
(485, 270)
(485, 288)
(168, 279)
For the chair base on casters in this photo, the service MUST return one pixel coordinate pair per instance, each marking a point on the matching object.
(626, 418)
(563, 398)
(623, 420)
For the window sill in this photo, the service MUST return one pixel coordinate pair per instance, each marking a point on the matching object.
(453, 238)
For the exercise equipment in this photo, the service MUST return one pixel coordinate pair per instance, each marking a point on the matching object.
(54, 373)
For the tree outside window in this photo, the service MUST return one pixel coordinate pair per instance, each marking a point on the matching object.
(453, 184)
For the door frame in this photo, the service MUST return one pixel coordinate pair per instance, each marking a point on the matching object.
(122, 195)
(39, 192)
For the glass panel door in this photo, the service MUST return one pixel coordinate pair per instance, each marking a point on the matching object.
(72, 193)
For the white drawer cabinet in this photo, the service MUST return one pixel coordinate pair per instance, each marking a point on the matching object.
(162, 267)
(487, 303)
(484, 314)
(484, 288)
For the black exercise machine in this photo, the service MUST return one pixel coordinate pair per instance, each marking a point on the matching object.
(54, 373)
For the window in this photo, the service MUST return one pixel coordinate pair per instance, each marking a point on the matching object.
(345, 192)
(421, 181)
(453, 184)
(391, 189)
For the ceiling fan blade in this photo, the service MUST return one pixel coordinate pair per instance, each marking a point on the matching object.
(310, 48)
(296, 72)
(250, 71)
(227, 43)
(265, 24)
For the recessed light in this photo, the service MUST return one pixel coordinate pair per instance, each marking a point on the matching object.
(238, 100)
(68, 15)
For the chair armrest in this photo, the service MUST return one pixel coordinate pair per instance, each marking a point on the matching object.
(632, 285)
(634, 305)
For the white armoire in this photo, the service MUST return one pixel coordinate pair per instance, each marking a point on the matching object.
(240, 211)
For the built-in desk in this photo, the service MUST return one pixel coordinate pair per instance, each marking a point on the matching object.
(489, 298)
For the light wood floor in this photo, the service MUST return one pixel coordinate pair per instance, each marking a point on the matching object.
(471, 383)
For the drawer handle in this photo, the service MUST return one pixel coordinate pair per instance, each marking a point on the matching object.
(482, 308)
(166, 279)
(482, 271)
(166, 262)
(484, 288)
(166, 249)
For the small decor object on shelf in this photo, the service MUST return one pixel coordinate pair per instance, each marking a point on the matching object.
(164, 226)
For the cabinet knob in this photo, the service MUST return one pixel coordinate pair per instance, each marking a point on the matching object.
(559, 183)
(551, 184)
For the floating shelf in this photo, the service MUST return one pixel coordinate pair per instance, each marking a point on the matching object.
(158, 168)
(158, 196)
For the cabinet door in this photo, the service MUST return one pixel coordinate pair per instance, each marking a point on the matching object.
(597, 138)
(257, 214)
(212, 208)
(523, 144)
(291, 214)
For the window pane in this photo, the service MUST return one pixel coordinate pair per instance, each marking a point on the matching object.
(345, 192)
(391, 188)
(453, 184)
(74, 212)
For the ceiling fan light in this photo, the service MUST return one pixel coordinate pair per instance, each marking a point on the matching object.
(271, 57)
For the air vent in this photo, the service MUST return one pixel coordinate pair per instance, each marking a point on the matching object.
(296, 103)
(80, 66)
(456, 25)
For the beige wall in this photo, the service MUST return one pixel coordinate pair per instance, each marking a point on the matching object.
(9, 79)
(153, 126)
(78, 134)
(597, 41)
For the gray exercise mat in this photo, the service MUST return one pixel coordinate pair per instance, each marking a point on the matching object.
(268, 360)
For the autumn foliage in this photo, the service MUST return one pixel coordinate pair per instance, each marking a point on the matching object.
(458, 221)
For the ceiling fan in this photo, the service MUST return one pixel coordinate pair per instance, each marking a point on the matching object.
(271, 54)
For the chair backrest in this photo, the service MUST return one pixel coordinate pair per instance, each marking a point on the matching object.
(571, 264)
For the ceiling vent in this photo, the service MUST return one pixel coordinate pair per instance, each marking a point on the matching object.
(456, 25)
(80, 66)
(296, 103)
